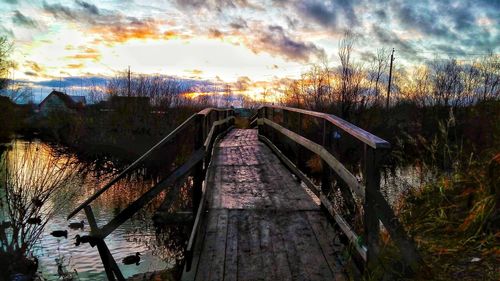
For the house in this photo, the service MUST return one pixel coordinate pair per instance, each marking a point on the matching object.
(59, 101)
(119, 101)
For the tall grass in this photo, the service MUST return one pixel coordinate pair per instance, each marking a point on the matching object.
(454, 218)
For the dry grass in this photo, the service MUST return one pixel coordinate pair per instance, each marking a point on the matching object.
(456, 226)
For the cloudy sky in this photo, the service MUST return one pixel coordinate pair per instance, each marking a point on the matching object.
(227, 40)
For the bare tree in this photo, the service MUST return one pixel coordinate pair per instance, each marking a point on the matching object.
(350, 75)
(447, 83)
(5, 62)
(31, 178)
(378, 67)
(489, 68)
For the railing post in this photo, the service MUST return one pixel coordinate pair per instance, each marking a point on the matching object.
(325, 175)
(371, 221)
(260, 115)
(299, 132)
(198, 169)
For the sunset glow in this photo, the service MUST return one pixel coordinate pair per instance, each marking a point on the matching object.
(262, 41)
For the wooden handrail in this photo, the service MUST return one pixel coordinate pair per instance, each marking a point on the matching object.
(376, 208)
(134, 165)
(350, 128)
(335, 164)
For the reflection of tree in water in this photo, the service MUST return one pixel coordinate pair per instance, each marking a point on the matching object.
(32, 189)
(169, 240)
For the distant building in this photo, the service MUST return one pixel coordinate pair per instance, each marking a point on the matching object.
(129, 103)
(59, 101)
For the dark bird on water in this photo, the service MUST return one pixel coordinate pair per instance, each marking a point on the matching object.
(76, 225)
(86, 239)
(35, 220)
(59, 233)
(132, 259)
(37, 202)
(5, 224)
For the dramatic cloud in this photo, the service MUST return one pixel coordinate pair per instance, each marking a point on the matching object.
(23, 20)
(59, 11)
(257, 39)
(319, 11)
(218, 5)
(92, 9)
(274, 40)
(422, 17)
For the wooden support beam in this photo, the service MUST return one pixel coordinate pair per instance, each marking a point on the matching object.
(344, 226)
(94, 229)
(109, 263)
(133, 208)
(397, 232)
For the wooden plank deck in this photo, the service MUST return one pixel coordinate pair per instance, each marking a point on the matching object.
(261, 224)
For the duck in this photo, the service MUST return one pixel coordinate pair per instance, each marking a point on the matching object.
(5, 224)
(132, 259)
(59, 233)
(76, 225)
(37, 202)
(86, 239)
(34, 220)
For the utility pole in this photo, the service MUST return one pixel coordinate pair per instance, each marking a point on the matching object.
(390, 78)
(129, 80)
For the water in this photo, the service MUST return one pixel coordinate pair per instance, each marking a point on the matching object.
(159, 251)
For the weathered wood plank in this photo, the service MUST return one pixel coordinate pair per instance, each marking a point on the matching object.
(290, 165)
(231, 262)
(266, 232)
(329, 242)
(219, 254)
(310, 255)
(249, 262)
(208, 250)
(279, 252)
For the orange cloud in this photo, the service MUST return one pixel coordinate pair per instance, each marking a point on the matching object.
(75, 65)
(142, 30)
(34, 66)
(196, 72)
(87, 54)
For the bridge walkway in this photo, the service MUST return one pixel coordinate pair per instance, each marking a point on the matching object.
(261, 224)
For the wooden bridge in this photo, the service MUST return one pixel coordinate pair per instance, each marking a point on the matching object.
(294, 198)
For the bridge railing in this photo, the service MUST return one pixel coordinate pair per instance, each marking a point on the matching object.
(340, 162)
(183, 155)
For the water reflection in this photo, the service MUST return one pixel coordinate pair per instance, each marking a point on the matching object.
(160, 248)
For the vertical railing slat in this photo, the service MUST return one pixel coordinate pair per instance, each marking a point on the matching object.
(371, 221)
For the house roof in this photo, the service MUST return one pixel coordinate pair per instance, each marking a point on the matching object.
(66, 99)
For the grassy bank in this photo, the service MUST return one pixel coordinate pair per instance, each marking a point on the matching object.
(455, 222)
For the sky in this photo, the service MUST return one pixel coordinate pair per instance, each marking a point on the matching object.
(233, 40)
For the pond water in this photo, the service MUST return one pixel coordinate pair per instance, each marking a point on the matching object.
(159, 248)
